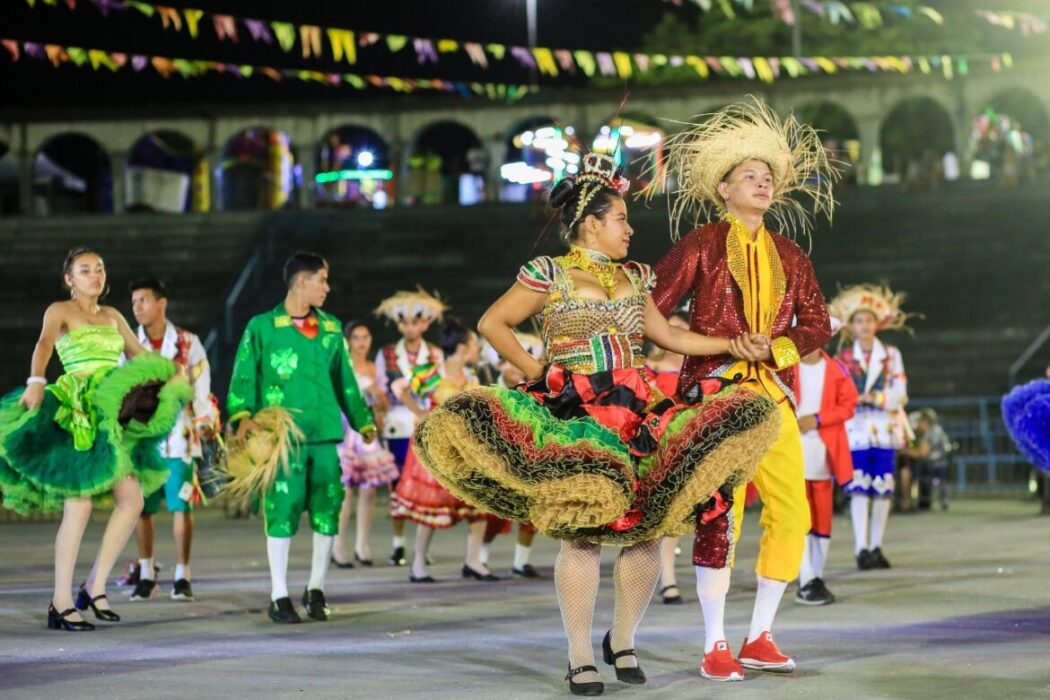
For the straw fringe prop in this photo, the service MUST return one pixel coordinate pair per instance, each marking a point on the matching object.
(255, 460)
(704, 153)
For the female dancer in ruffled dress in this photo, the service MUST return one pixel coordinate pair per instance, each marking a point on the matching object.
(94, 431)
(590, 451)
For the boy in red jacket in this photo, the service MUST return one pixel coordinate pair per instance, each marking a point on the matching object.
(827, 399)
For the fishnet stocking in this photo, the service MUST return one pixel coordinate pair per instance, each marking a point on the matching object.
(576, 573)
(636, 573)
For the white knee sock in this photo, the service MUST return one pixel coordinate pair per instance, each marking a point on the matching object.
(880, 513)
(858, 510)
(807, 571)
(146, 569)
(484, 557)
(521, 556)
(818, 553)
(322, 557)
(277, 550)
(712, 585)
(767, 600)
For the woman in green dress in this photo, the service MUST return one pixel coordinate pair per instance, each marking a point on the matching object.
(93, 432)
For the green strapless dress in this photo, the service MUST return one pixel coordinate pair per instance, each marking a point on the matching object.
(98, 423)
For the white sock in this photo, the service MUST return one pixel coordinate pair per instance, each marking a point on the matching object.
(819, 547)
(521, 556)
(880, 513)
(322, 557)
(182, 571)
(767, 600)
(858, 510)
(277, 550)
(399, 541)
(146, 569)
(807, 572)
(484, 556)
(712, 585)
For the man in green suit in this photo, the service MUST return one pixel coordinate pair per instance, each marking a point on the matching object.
(294, 357)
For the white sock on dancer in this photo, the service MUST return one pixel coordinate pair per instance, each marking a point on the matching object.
(807, 572)
(522, 554)
(712, 585)
(182, 571)
(399, 541)
(880, 513)
(277, 550)
(858, 510)
(146, 569)
(322, 557)
(767, 600)
(484, 556)
(819, 546)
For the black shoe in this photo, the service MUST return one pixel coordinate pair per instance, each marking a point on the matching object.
(878, 561)
(84, 601)
(398, 557)
(182, 590)
(635, 675)
(362, 562)
(412, 578)
(864, 560)
(526, 571)
(674, 599)
(814, 593)
(283, 612)
(315, 604)
(471, 573)
(590, 688)
(57, 621)
(144, 590)
(342, 564)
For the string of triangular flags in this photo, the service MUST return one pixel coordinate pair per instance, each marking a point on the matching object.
(344, 45)
(97, 59)
(870, 15)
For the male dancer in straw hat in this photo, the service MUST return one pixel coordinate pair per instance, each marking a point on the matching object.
(294, 356)
(743, 280)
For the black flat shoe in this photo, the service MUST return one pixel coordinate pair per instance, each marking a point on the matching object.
(283, 612)
(342, 564)
(526, 571)
(634, 676)
(84, 601)
(675, 599)
(471, 573)
(412, 578)
(864, 560)
(878, 559)
(57, 621)
(316, 605)
(589, 688)
(397, 558)
(362, 562)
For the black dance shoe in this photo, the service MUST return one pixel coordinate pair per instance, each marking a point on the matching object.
(814, 593)
(634, 676)
(316, 605)
(590, 688)
(283, 612)
(865, 560)
(58, 621)
(674, 598)
(397, 558)
(878, 560)
(342, 564)
(84, 601)
(526, 571)
(362, 562)
(471, 573)
(412, 578)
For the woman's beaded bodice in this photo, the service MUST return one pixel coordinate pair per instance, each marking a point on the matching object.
(589, 335)
(86, 349)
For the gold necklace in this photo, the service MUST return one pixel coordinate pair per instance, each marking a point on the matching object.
(596, 263)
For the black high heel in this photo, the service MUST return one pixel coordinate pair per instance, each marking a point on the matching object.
(634, 676)
(674, 599)
(362, 562)
(342, 564)
(85, 601)
(57, 621)
(589, 688)
(471, 573)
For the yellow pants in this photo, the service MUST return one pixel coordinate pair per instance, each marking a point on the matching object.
(785, 518)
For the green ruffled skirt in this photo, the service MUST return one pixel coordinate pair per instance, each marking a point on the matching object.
(80, 443)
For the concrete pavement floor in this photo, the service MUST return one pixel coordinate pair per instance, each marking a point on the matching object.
(963, 613)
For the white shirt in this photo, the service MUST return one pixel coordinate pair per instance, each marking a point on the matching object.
(811, 392)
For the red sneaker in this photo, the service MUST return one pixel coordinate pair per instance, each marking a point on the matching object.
(719, 664)
(764, 655)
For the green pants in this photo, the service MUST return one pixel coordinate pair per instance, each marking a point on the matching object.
(312, 484)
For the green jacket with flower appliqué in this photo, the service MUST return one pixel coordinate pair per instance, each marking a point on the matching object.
(277, 365)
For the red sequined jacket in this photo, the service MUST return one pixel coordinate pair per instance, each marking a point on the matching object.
(707, 266)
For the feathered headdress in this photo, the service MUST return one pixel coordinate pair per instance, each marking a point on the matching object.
(879, 299)
(704, 153)
(419, 305)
